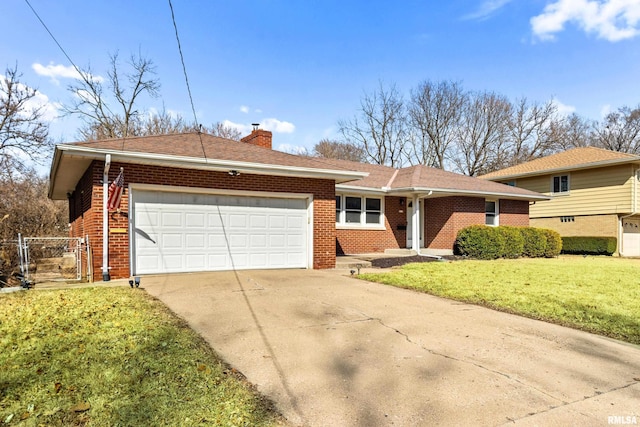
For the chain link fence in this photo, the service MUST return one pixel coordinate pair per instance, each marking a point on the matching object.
(40, 259)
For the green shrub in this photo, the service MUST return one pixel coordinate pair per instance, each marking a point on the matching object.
(535, 242)
(553, 243)
(589, 245)
(484, 242)
(513, 241)
(480, 241)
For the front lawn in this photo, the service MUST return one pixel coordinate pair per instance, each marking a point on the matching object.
(595, 294)
(114, 356)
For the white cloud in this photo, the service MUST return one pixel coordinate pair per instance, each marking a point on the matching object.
(612, 20)
(605, 110)
(244, 109)
(274, 125)
(48, 108)
(293, 149)
(486, 9)
(244, 129)
(564, 109)
(60, 71)
(277, 126)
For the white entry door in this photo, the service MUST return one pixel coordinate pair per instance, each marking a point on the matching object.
(410, 223)
(631, 237)
(185, 232)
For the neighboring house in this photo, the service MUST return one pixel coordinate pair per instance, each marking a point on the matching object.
(195, 202)
(594, 193)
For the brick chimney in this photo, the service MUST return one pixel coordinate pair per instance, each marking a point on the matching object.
(259, 137)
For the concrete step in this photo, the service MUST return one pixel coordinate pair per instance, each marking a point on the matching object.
(348, 262)
(400, 252)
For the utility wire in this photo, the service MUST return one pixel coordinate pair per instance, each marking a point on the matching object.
(84, 76)
(52, 36)
(186, 79)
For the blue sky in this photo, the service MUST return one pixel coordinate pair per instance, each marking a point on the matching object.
(298, 67)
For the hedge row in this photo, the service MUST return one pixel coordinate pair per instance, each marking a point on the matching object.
(589, 245)
(484, 242)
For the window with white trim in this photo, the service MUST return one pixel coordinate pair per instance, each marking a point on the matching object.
(491, 212)
(359, 210)
(560, 184)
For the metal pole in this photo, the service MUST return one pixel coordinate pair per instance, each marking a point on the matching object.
(105, 219)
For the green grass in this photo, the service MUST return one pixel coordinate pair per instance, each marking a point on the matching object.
(114, 356)
(595, 294)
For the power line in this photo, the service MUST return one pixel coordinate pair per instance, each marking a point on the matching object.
(53, 37)
(84, 76)
(186, 79)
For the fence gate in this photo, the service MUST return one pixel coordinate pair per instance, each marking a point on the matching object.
(48, 259)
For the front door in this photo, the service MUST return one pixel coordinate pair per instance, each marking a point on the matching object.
(410, 223)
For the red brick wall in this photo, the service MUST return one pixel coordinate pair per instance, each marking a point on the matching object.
(354, 241)
(89, 219)
(514, 212)
(446, 216)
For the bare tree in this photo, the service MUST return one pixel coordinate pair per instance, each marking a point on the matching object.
(619, 131)
(531, 131)
(573, 131)
(24, 132)
(482, 134)
(338, 150)
(109, 108)
(380, 128)
(25, 207)
(435, 112)
(224, 131)
(161, 123)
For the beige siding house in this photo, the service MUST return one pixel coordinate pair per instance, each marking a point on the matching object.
(594, 192)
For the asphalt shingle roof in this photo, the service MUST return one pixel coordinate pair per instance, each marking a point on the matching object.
(194, 145)
(576, 158)
(423, 177)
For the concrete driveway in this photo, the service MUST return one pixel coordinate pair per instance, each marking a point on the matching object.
(335, 351)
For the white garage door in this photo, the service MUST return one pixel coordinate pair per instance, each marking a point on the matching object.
(631, 237)
(182, 232)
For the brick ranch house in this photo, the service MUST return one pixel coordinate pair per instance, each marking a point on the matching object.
(195, 202)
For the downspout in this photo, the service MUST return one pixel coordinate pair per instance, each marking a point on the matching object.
(105, 219)
(634, 211)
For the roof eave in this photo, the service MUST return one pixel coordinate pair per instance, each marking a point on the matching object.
(471, 193)
(210, 164)
(443, 191)
(563, 169)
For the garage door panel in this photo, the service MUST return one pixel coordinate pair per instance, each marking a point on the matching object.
(277, 221)
(171, 219)
(196, 262)
(195, 220)
(258, 241)
(200, 232)
(195, 241)
(171, 241)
